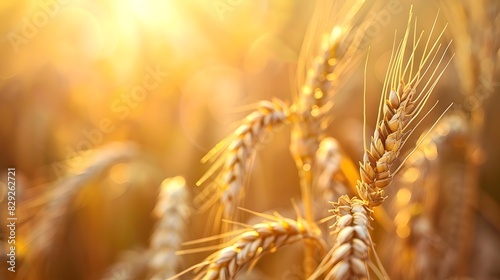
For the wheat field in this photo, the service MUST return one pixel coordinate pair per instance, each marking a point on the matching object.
(249, 139)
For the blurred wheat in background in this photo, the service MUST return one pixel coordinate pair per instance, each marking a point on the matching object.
(324, 151)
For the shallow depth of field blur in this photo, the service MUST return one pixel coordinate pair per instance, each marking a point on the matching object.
(169, 79)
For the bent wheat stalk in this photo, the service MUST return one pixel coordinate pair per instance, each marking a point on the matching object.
(234, 164)
(249, 246)
(318, 79)
(58, 202)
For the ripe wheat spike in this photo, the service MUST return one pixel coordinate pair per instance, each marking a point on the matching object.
(233, 164)
(328, 55)
(59, 200)
(401, 103)
(250, 244)
(348, 259)
(173, 213)
(329, 52)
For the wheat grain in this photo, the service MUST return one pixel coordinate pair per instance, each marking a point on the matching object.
(348, 259)
(248, 247)
(401, 104)
(173, 213)
(235, 162)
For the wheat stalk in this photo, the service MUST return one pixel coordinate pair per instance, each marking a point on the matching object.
(332, 61)
(173, 213)
(234, 164)
(249, 246)
(401, 105)
(475, 25)
(318, 79)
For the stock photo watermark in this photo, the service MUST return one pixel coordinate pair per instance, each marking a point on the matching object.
(121, 107)
(377, 21)
(222, 7)
(296, 272)
(31, 26)
(11, 219)
(484, 90)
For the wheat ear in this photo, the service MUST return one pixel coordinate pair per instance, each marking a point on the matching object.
(337, 175)
(234, 164)
(248, 247)
(420, 248)
(401, 104)
(318, 79)
(476, 28)
(348, 259)
(473, 26)
(173, 213)
(58, 201)
(328, 184)
(332, 25)
(160, 260)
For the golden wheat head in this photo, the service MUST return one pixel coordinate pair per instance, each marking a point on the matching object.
(402, 101)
